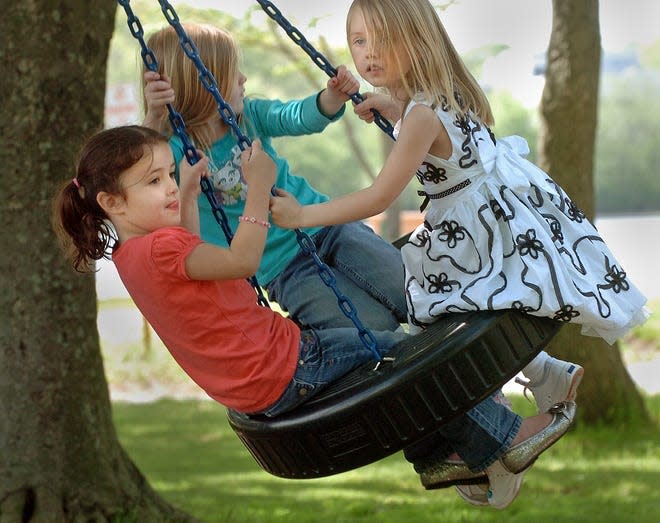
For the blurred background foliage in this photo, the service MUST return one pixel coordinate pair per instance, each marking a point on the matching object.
(627, 139)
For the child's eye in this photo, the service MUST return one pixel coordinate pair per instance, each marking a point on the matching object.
(173, 175)
(154, 181)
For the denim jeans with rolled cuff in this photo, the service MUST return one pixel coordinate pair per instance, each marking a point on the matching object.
(368, 270)
(480, 436)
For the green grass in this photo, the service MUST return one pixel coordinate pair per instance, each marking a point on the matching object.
(191, 456)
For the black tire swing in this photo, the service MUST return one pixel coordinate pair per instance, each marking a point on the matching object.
(373, 412)
(378, 409)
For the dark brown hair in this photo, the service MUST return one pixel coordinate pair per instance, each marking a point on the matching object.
(81, 225)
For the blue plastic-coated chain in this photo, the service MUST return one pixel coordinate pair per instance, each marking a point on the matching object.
(208, 81)
(179, 128)
(345, 304)
(229, 118)
(320, 60)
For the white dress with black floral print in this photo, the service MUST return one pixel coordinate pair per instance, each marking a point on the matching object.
(499, 233)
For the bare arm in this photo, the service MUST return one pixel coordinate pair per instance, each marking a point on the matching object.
(419, 130)
(241, 259)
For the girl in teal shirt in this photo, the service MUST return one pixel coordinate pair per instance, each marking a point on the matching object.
(368, 269)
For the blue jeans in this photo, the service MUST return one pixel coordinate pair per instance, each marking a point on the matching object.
(368, 269)
(480, 437)
(325, 356)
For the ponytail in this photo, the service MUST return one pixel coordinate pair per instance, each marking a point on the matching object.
(81, 225)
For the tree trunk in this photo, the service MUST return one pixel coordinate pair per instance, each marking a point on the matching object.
(569, 108)
(60, 460)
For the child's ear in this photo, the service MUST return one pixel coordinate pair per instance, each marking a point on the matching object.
(112, 204)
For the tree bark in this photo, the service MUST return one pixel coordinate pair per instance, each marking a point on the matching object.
(569, 107)
(60, 460)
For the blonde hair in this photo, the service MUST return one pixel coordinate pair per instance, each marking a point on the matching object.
(414, 27)
(219, 52)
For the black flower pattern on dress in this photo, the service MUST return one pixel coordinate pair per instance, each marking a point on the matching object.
(444, 104)
(440, 283)
(574, 212)
(430, 173)
(498, 212)
(423, 237)
(508, 246)
(566, 314)
(467, 159)
(520, 306)
(616, 279)
(450, 232)
(475, 129)
(528, 245)
(555, 228)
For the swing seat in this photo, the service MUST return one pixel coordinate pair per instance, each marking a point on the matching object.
(372, 413)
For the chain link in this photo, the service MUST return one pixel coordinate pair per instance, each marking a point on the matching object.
(229, 118)
(179, 128)
(320, 60)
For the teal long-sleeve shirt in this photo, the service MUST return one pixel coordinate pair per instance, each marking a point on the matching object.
(263, 119)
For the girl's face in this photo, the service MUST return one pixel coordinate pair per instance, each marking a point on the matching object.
(151, 195)
(238, 93)
(378, 68)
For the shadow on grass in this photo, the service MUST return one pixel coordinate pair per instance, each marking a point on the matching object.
(192, 457)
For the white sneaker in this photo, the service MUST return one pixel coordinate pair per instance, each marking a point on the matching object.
(559, 383)
(475, 494)
(504, 485)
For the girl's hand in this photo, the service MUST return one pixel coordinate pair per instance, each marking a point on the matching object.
(285, 210)
(190, 176)
(343, 85)
(258, 167)
(339, 89)
(189, 190)
(384, 104)
(158, 93)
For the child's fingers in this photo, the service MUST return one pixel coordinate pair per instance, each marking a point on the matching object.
(251, 151)
(345, 81)
(203, 163)
(281, 192)
(363, 109)
(365, 114)
(256, 145)
(150, 76)
(159, 86)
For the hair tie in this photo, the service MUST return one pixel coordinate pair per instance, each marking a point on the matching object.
(76, 183)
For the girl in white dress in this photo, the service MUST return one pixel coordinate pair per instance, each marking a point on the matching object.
(498, 232)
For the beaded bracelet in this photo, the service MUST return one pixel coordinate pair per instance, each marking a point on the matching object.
(252, 219)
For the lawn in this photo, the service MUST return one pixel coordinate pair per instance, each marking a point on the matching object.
(190, 455)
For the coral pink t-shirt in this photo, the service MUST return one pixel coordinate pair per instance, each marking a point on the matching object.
(243, 355)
